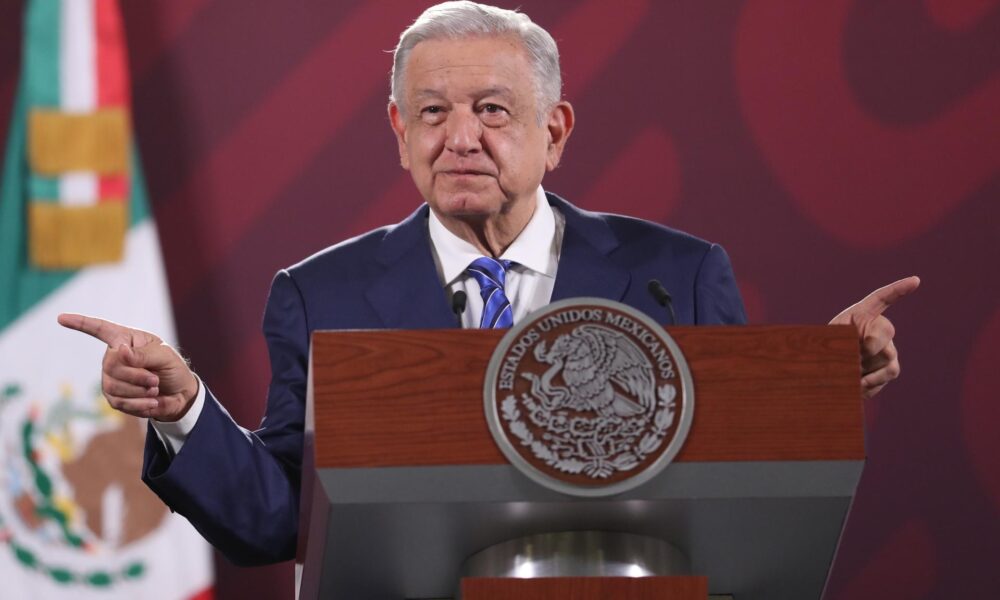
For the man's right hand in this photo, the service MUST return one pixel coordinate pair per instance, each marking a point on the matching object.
(140, 375)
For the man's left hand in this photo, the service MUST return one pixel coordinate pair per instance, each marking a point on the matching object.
(879, 358)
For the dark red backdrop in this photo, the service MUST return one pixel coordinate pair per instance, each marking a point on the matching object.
(830, 146)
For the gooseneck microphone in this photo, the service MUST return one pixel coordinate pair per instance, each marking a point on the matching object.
(458, 302)
(662, 297)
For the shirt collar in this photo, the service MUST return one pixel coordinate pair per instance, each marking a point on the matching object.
(532, 249)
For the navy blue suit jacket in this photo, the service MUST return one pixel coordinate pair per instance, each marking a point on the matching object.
(241, 489)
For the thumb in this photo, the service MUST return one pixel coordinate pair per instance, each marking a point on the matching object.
(132, 357)
(146, 357)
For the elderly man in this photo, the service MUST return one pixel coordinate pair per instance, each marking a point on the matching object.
(477, 110)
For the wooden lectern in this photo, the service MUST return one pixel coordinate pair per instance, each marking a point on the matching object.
(402, 480)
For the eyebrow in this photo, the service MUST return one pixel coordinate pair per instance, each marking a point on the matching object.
(500, 90)
(427, 93)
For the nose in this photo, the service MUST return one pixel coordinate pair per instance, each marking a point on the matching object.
(464, 132)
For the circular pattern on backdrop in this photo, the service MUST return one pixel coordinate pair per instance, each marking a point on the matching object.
(804, 116)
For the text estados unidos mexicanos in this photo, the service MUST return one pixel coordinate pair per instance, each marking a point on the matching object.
(530, 337)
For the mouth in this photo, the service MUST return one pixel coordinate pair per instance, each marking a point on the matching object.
(465, 173)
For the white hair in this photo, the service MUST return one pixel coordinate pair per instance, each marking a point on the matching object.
(464, 19)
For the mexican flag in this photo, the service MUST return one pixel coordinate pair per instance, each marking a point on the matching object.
(77, 235)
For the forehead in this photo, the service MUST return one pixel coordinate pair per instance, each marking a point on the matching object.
(463, 65)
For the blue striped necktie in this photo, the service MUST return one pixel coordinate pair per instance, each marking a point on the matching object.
(492, 275)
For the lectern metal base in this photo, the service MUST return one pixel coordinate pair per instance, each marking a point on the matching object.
(758, 530)
(578, 554)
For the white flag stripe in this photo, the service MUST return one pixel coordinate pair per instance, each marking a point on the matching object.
(78, 87)
(77, 56)
(78, 188)
(178, 562)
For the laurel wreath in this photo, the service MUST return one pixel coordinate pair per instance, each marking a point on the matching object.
(47, 509)
(597, 468)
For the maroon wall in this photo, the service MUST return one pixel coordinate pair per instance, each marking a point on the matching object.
(831, 146)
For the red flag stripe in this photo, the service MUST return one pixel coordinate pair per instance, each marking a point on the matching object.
(112, 81)
(112, 188)
(205, 594)
(109, 41)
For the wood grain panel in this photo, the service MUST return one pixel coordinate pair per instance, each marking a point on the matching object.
(399, 398)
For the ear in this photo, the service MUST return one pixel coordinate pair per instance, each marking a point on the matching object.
(560, 125)
(398, 124)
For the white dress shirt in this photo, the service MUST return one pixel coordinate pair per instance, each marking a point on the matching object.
(528, 287)
(535, 254)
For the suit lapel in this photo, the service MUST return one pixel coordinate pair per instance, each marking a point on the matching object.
(584, 266)
(408, 294)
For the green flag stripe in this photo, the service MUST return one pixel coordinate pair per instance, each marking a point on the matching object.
(21, 286)
(45, 189)
(138, 205)
(42, 27)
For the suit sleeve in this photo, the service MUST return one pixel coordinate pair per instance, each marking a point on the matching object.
(717, 298)
(240, 489)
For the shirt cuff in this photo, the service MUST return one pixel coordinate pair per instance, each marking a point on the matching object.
(173, 434)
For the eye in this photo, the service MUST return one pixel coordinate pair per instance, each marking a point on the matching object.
(493, 114)
(432, 114)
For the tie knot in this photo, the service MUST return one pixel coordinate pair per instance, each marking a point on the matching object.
(489, 272)
(492, 276)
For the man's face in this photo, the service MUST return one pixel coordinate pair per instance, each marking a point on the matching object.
(469, 130)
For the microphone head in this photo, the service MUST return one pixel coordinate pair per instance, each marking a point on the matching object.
(458, 301)
(659, 293)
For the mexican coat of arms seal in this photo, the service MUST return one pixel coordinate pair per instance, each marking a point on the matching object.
(589, 397)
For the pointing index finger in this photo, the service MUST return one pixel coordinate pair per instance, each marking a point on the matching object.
(878, 301)
(110, 333)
